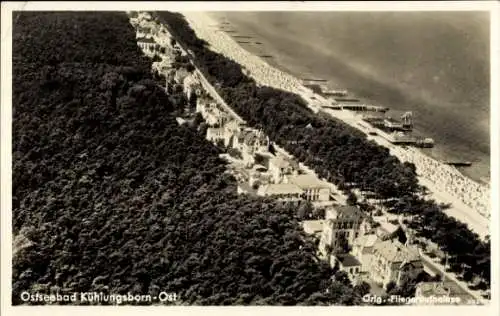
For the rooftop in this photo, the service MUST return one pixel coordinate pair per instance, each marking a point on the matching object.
(366, 240)
(279, 162)
(250, 137)
(388, 227)
(146, 40)
(343, 211)
(308, 181)
(281, 188)
(394, 251)
(427, 289)
(232, 125)
(313, 227)
(348, 260)
(258, 167)
(190, 80)
(245, 187)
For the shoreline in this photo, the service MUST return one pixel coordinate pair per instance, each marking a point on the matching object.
(302, 58)
(473, 197)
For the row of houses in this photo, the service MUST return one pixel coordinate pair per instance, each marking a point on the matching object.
(372, 257)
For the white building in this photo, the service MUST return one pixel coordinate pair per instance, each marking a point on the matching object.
(342, 222)
(191, 85)
(180, 75)
(211, 113)
(314, 189)
(362, 249)
(284, 192)
(148, 45)
(231, 131)
(214, 134)
(348, 264)
(437, 293)
(313, 227)
(249, 142)
(394, 262)
(279, 168)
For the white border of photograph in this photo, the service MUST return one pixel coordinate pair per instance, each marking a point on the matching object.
(6, 147)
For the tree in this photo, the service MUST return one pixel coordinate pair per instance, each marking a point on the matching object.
(342, 277)
(190, 68)
(305, 210)
(362, 289)
(351, 199)
(390, 287)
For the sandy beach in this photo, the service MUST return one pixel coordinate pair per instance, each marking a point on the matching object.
(470, 200)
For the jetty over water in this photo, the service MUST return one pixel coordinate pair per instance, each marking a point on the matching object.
(357, 107)
(343, 99)
(304, 80)
(457, 163)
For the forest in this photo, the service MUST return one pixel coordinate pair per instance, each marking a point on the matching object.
(336, 151)
(111, 195)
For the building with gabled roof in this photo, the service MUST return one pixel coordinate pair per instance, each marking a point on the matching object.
(231, 129)
(394, 262)
(363, 250)
(249, 141)
(191, 85)
(445, 291)
(313, 227)
(342, 224)
(279, 167)
(347, 263)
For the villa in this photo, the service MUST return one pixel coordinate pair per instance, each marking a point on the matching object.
(348, 264)
(279, 168)
(314, 189)
(283, 191)
(393, 262)
(341, 222)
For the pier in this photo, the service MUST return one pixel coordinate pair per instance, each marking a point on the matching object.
(342, 99)
(304, 80)
(357, 107)
(457, 163)
(336, 93)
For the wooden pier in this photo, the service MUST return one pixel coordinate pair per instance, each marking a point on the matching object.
(457, 163)
(357, 107)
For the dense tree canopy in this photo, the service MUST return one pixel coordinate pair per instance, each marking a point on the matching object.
(337, 151)
(111, 195)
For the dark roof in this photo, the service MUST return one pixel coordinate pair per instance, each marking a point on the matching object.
(348, 260)
(348, 211)
(146, 40)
